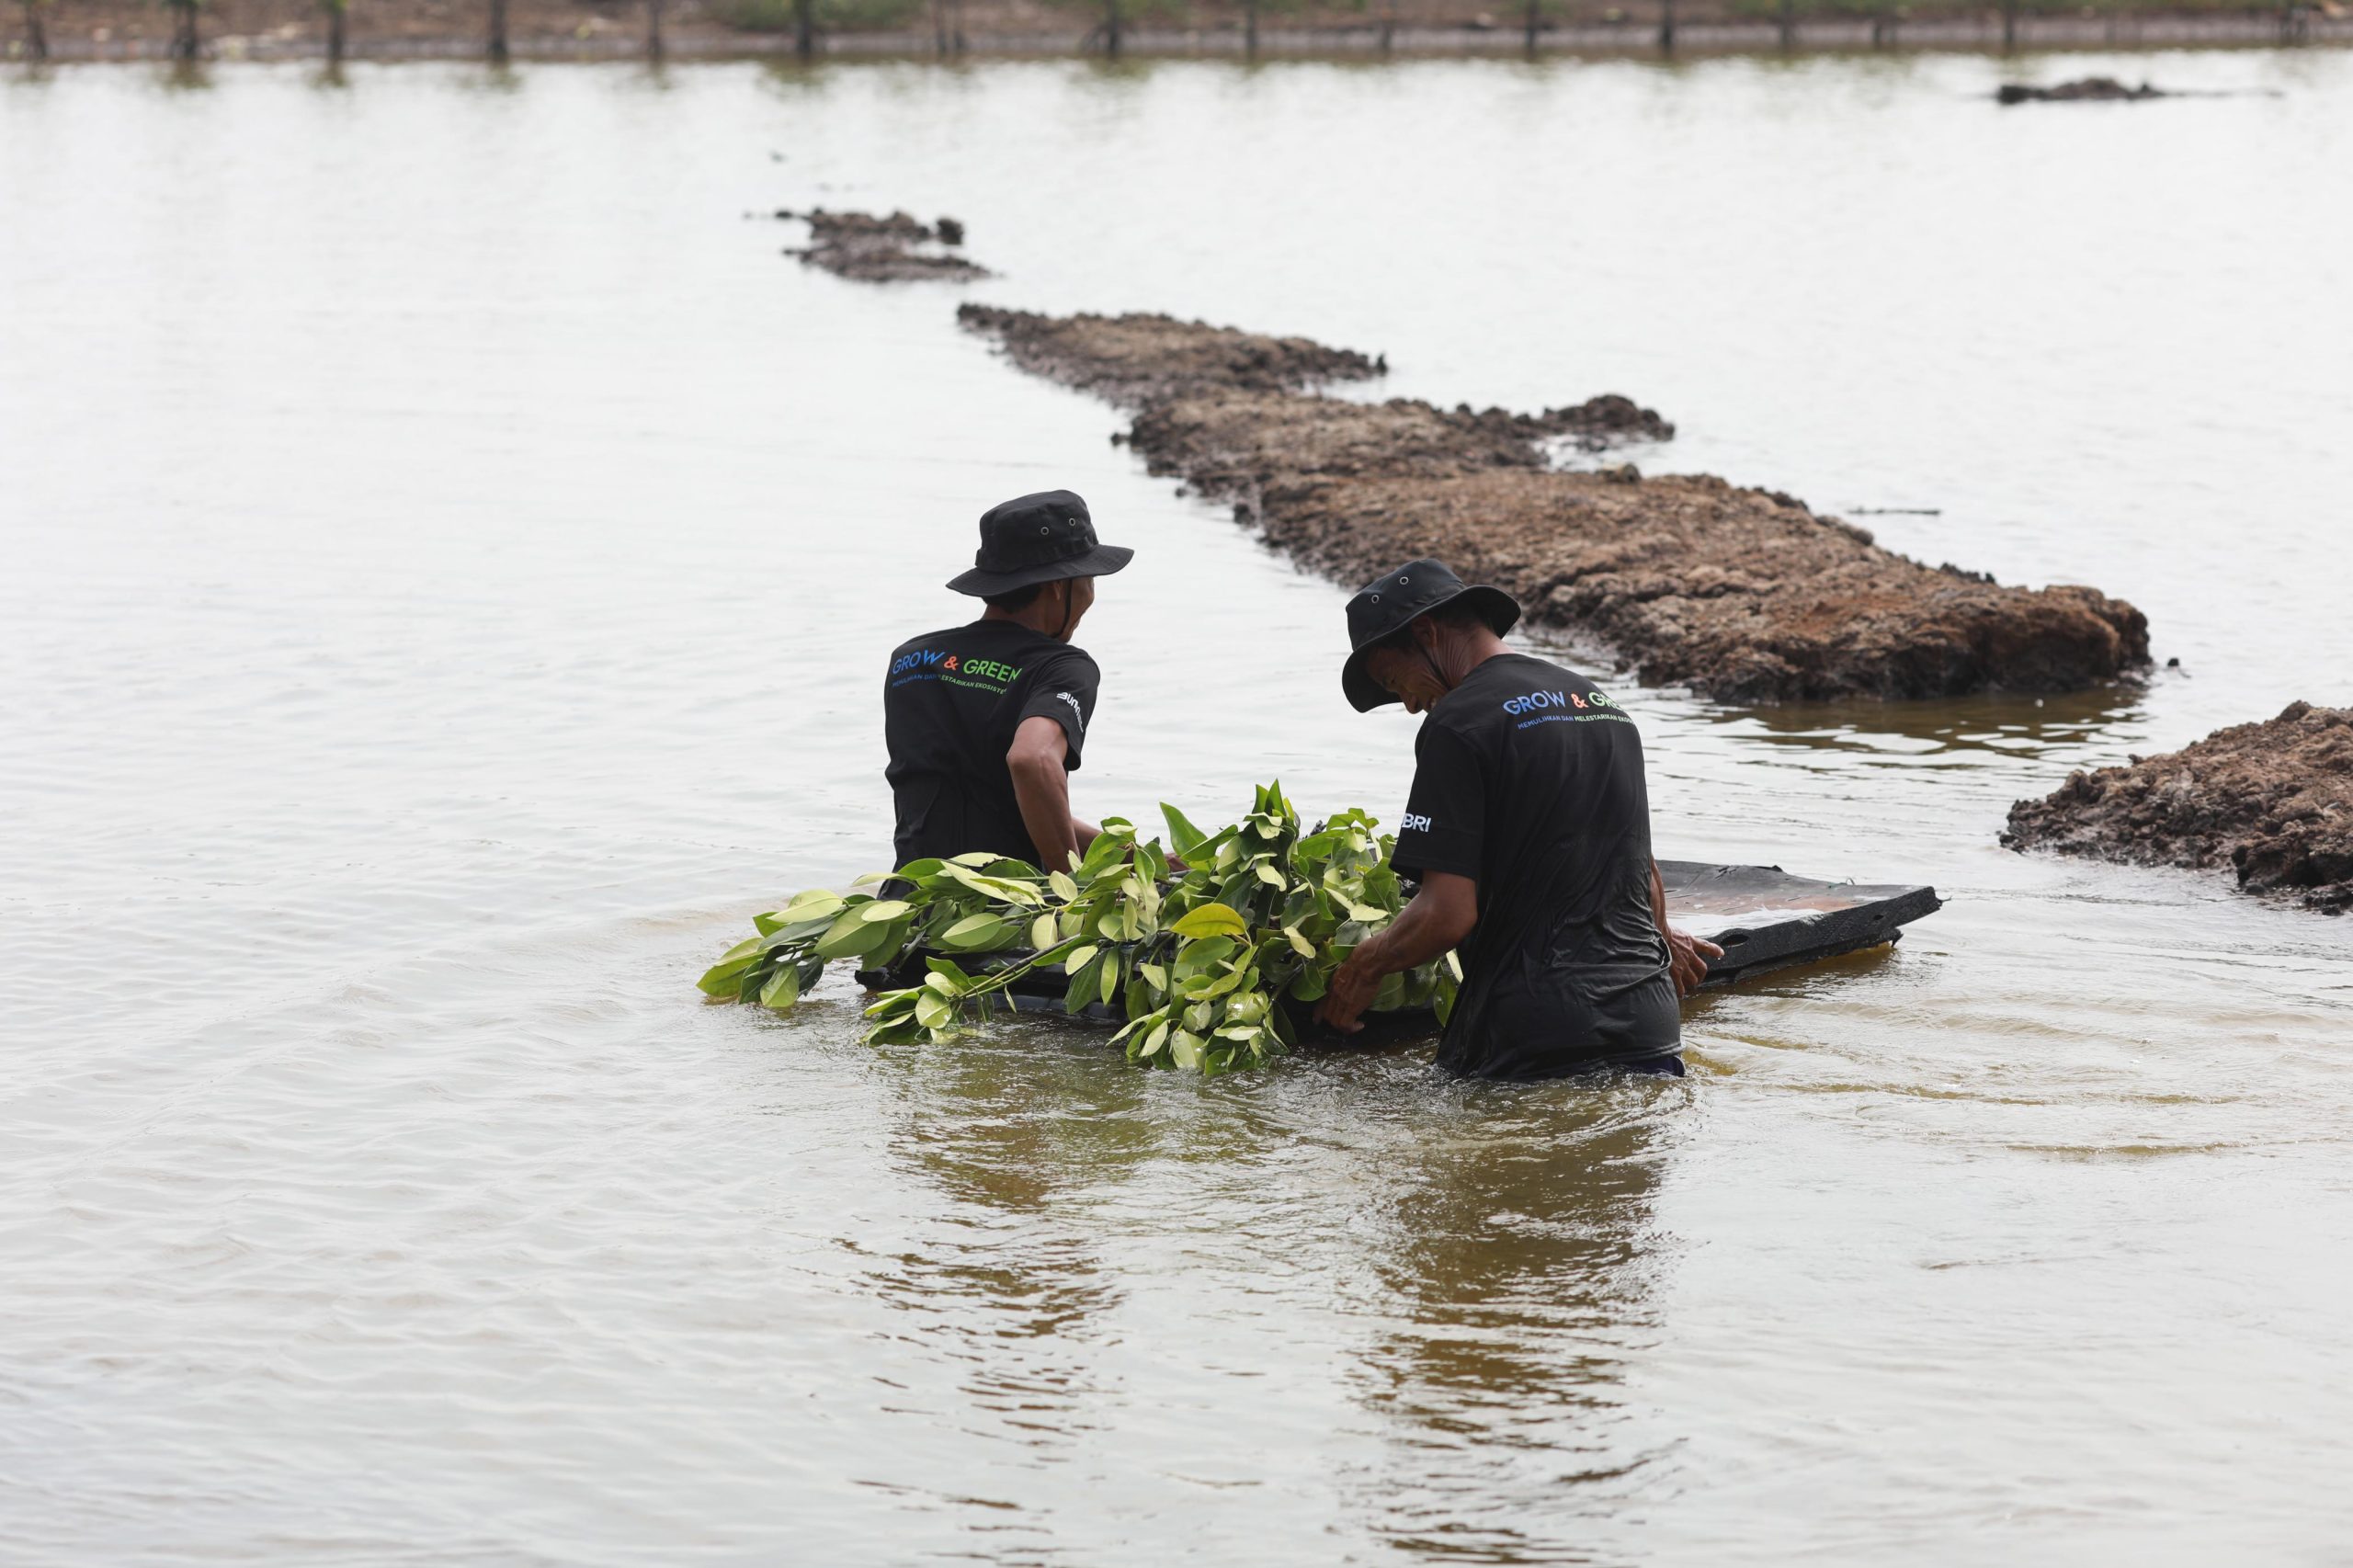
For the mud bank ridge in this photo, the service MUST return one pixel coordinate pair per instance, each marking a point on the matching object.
(2084, 90)
(1746, 596)
(2273, 801)
(894, 249)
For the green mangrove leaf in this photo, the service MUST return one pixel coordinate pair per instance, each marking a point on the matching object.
(1182, 833)
(893, 1005)
(722, 979)
(1085, 982)
(848, 936)
(1210, 920)
(782, 990)
(978, 933)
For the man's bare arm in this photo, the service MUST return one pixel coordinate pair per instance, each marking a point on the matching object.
(1041, 788)
(1436, 920)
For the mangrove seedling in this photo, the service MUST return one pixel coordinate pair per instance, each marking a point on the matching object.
(1210, 967)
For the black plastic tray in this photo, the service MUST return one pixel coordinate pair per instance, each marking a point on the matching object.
(1766, 919)
(1763, 917)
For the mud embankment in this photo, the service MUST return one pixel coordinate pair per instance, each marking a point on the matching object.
(2084, 90)
(2272, 801)
(893, 249)
(1743, 595)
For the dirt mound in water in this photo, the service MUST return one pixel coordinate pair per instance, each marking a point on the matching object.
(896, 249)
(1744, 595)
(2088, 89)
(1138, 359)
(2272, 801)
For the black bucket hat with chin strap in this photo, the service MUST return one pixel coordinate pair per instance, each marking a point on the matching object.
(1037, 539)
(1393, 599)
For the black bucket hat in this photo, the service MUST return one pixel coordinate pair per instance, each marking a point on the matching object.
(1391, 599)
(1037, 539)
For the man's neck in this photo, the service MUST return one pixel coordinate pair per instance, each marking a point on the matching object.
(1464, 651)
(1036, 616)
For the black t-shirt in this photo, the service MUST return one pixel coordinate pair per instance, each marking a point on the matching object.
(951, 704)
(1530, 780)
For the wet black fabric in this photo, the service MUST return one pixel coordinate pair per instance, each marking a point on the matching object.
(951, 702)
(1529, 780)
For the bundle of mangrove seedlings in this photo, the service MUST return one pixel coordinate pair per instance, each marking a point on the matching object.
(1214, 946)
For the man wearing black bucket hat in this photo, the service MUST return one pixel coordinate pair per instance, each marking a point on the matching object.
(985, 721)
(1528, 826)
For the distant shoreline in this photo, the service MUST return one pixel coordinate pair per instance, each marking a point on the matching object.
(86, 31)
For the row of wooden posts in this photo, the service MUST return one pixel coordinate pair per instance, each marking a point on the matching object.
(948, 30)
(186, 42)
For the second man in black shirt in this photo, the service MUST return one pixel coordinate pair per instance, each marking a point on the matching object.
(985, 721)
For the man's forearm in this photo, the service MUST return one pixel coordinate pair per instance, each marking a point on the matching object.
(1418, 934)
(1044, 795)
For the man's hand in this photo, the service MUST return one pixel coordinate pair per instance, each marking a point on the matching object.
(1353, 987)
(1687, 958)
(1436, 919)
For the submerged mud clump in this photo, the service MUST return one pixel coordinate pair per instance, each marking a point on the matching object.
(896, 249)
(2088, 89)
(2272, 801)
(1138, 359)
(1744, 595)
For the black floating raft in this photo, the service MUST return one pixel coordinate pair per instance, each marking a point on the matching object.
(1763, 917)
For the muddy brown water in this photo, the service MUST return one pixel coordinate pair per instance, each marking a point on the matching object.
(451, 554)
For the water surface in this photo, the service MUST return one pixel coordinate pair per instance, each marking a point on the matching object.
(451, 558)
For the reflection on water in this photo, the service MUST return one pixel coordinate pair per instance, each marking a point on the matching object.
(1520, 1253)
(2055, 728)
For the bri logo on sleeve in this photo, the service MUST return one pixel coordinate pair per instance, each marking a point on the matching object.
(1413, 823)
(1554, 707)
